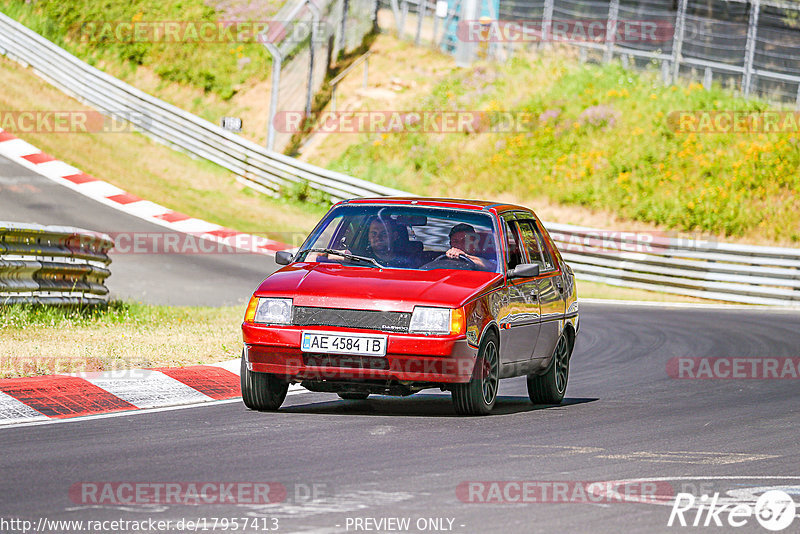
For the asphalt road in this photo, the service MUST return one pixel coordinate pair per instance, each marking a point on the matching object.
(624, 418)
(177, 279)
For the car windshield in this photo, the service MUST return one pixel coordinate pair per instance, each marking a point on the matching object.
(404, 237)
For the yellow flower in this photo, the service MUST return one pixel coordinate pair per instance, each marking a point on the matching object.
(653, 96)
(690, 205)
(137, 17)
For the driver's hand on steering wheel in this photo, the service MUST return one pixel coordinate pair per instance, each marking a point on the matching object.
(453, 253)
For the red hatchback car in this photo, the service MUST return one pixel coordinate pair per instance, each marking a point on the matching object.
(394, 295)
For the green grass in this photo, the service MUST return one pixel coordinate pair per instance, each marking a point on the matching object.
(218, 68)
(600, 138)
(42, 340)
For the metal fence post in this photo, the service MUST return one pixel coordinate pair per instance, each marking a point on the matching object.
(677, 38)
(465, 49)
(665, 72)
(611, 30)
(421, 8)
(750, 47)
(547, 20)
(707, 78)
(315, 18)
(403, 16)
(277, 59)
(343, 27)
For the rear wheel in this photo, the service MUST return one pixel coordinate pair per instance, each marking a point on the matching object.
(262, 391)
(478, 396)
(353, 396)
(550, 387)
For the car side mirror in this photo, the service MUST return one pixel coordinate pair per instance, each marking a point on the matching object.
(283, 257)
(524, 270)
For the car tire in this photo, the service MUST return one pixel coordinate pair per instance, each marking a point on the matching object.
(550, 387)
(353, 396)
(262, 391)
(478, 396)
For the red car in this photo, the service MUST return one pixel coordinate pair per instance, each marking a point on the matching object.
(394, 295)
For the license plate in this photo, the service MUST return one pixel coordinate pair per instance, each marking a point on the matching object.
(332, 343)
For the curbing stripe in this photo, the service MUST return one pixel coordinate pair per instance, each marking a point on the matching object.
(59, 396)
(62, 173)
(215, 382)
(82, 394)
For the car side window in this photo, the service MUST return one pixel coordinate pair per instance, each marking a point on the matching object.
(534, 244)
(514, 253)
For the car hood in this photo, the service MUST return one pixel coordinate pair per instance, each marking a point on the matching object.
(367, 288)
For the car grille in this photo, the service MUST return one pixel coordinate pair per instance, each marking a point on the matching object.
(366, 319)
(335, 360)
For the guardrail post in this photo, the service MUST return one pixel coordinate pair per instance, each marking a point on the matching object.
(750, 47)
(707, 78)
(611, 30)
(677, 38)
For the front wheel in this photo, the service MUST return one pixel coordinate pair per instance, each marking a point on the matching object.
(550, 387)
(478, 396)
(262, 391)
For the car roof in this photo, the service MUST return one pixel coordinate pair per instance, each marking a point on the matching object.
(438, 202)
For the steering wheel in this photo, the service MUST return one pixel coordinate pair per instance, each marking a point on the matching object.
(444, 258)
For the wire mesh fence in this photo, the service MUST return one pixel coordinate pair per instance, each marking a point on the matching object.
(752, 46)
(310, 39)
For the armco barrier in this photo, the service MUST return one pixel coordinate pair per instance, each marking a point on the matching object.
(52, 264)
(712, 270)
(728, 272)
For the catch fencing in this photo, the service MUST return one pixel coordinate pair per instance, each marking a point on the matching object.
(52, 264)
(752, 46)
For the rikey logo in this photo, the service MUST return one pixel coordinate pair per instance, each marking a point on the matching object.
(774, 510)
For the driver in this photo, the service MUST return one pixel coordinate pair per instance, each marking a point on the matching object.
(385, 241)
(465, 242)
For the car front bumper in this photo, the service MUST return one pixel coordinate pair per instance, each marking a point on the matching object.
(409, 357)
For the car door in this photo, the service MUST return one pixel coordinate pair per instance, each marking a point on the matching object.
(550, 288)
(519, 313)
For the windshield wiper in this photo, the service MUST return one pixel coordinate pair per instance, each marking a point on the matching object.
(346, 255)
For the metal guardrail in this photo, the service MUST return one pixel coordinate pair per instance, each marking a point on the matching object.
(711, 270)
(52, 264)
(170, 124)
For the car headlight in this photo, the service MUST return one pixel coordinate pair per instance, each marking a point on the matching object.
(425, 320)
(269, 311)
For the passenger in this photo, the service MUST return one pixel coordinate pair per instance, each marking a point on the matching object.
(465, 242)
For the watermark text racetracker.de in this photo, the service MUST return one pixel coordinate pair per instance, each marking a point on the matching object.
(188, 243)
(734, 368)
(64, 121)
